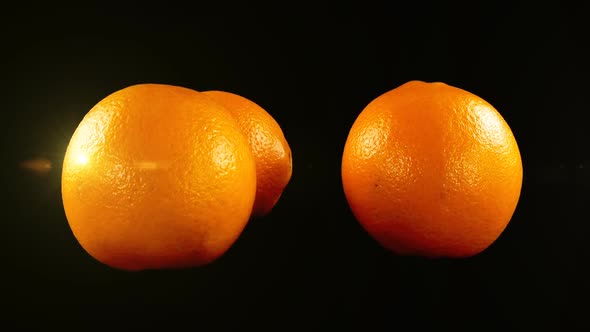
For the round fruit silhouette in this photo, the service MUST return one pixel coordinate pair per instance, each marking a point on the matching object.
(158, 176)
(268, 145)
(432, 170)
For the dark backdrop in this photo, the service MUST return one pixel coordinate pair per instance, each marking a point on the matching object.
(308, 264)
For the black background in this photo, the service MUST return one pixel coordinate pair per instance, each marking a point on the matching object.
(307, 265)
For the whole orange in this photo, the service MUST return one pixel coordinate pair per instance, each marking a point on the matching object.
(157, 176)
(271, 151)
(432, 170)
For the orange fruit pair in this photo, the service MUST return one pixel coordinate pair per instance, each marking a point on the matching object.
(159, 176)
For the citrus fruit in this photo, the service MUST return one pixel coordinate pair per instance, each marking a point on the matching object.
(271, 151)
(157, 176)
(432, 170)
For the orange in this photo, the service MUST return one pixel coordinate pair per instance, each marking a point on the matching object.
(432, 170)
(268, 145)
(157, 176)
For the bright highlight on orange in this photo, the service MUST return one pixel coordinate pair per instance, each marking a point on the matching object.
(148, 165)
(81, 159)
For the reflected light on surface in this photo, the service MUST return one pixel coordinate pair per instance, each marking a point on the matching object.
(491, 126)
(38, 165)
(222, 156)
(81, 159)
(147, 165)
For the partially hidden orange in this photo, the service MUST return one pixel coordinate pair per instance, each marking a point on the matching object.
(267, 142)
(158, 176)
(432, 170)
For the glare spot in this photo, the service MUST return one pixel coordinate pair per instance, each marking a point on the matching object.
(491, 126)
(38, 165)
(372, 138)
(81, 159)
(147, 165)
(222, 155)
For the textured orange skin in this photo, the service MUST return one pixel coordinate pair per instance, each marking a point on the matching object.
(268, 145)
(432, 170)
(157, 176)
